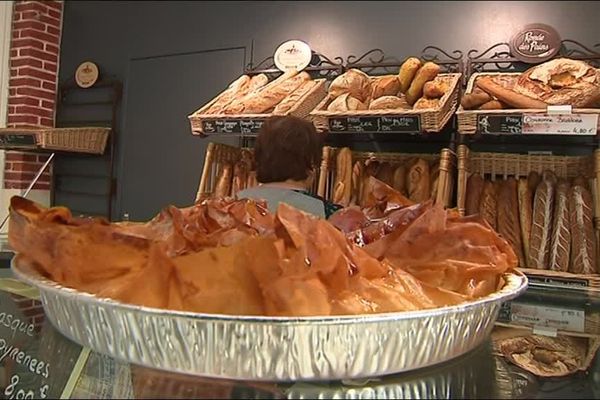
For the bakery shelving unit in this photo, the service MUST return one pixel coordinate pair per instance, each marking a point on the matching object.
(503, 150)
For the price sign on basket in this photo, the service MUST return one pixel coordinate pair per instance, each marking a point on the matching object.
(568, 124)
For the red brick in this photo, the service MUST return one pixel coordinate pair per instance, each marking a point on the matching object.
(29, 82)
(32, 33)
(23, 100)
(52, 30)
(49, 21)
(18, 176)
(48, 104)
(54, 14)
(28, 120)
(52, 48)
(28, 42)
(41, 186)
(29, 15)
(49, 86)
(26, 166)
(17, 16)
(52, 67)
(18, 156)
(7, 166)
(15, 34)
(31, 6)
(57, 5)
(14, 53)
(42, 55)
(26, 61)
(30, 24)
(36, 92)
(26, 71)
(47, 122)
(14, 185)
(42, 158)
(12, 92)
(13, 72)
(40, 112)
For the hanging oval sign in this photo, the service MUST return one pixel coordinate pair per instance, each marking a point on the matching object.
(535, 43)
(86, 74)
(293, 54)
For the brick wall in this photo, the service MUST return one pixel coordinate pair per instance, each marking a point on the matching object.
(34, 60)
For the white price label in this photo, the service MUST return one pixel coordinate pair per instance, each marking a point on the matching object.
(564, 124)
(550, 317)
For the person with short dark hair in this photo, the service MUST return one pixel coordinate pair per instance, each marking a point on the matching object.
(287, 153)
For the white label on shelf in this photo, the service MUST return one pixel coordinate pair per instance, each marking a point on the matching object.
(552, 110)
(549, 317)
(563, 124)
(544, 331)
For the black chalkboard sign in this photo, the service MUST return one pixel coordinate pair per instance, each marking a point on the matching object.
(559, 282)
(495, 124)
(12, 140)
(235, 126)
(505, 311)
(404, 124)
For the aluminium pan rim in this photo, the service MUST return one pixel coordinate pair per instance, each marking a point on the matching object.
(304, 333)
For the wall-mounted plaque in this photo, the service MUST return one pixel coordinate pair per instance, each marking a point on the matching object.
(86, 74)
(535, 43)
(292, 55)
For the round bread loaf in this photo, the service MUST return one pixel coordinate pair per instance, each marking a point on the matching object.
(354, 82)
(344, 103)
(389, 103)
(561, 82)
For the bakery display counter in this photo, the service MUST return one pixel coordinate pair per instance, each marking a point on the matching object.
(38, 362)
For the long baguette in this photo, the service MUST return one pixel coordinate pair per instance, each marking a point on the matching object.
(293, 98)
(560, 246)
(541, 228)
(342, 191)
(488, 204)
(583, 254)
(508, 96)
(223, 188)
(475, 186)
(508, 217)
(525, 214)
(236, 88)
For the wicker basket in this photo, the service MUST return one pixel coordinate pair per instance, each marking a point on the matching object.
(217, 156)
(79, 140)
(301, 109)
(467, 119)
(445, 180)
(431, 120)
(503, 165)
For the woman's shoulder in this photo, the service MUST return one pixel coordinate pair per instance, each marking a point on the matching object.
(330, 207)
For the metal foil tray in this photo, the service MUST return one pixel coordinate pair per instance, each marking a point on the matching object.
(269, 348)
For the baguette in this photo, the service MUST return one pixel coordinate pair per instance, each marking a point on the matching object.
(508, 96)
(270, 97)
(581, 181)
(488, 204)
(508, 217)
(292, 99)
(533, 180)
(228, 95)
(252, 181)
(418, 181)
(474, 192)
(426, 73)
(240, 177)
(583, 248)
(475, 99)
(357, 181)
(385, 173)
(223, 187)
(560, 245)
(541, 227)
(399, 183)
(407, 73)
(525, 215)
(343, 181)
(492, 105)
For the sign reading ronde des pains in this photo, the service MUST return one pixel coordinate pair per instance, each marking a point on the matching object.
(535, 43)
(292, 55)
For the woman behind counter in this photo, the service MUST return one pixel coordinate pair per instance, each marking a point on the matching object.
(287, 153)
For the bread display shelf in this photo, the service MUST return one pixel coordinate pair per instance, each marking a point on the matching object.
(445, 158)
(203, 124)
(405, 121)
(501, 121)
(90, 140)
(504, 165)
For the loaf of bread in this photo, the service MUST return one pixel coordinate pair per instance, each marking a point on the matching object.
(583, 247)
(223, 187)
(257, 83)
(426, 73)
(386, 173)
(508, 217)
(475, 185)
(525, 215)
(342, 190)
(271, 96)
(475, 99)
(580, 180)
(235, 88)
(387, 85)
(252, 181)
(407, 72)
(389, 103)
(492, 105)
(488, 204)
(357, 181)
(345, 103)
(561, 81)
(533, 180)
(541, 228)
(418, 181)
(426, 104)
(354, 82)
(435, 89)
(240, 177)
(560, 245)
(400, 179)
(292, 99)
(508, 96)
